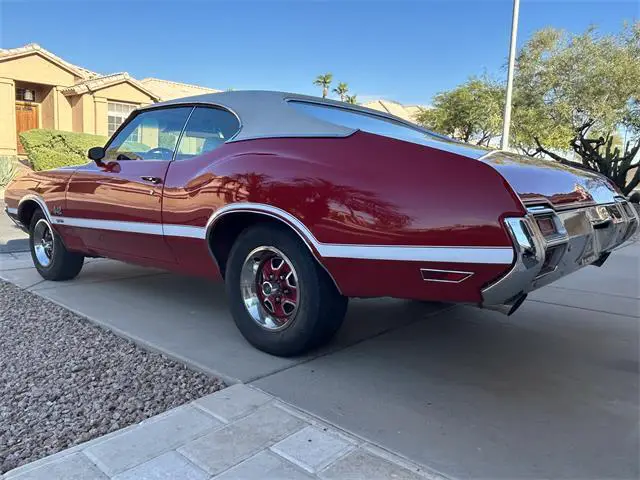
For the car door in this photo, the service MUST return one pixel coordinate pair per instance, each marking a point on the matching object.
(115, 206)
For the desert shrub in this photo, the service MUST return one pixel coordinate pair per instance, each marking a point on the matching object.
(48, 149)
(8, 170)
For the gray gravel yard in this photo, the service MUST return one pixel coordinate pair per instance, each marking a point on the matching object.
(64, 381)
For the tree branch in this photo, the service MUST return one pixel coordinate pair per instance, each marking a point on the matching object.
(555, 156)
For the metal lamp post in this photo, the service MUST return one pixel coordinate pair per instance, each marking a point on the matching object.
(504, 144)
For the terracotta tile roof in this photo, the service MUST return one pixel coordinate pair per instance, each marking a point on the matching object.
(97, 83)
(35, 48)
(168, 90)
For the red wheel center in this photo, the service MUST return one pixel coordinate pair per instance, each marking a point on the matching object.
(277, 287)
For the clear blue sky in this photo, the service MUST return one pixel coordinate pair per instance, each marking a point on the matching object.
(401, 50)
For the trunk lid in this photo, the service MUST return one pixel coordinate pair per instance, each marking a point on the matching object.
(539, 181)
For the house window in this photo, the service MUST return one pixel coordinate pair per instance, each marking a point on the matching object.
(117, 113)
(25, 95)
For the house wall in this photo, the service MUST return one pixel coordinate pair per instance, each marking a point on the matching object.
(48, 113)
(37, 69)
(65, 112)
(100, 114)
(8, 136)
(124, 92)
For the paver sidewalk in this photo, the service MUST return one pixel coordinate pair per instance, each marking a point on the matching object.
(236, 433)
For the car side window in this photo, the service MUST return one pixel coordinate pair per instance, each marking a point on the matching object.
(150, 135)
(207, 129)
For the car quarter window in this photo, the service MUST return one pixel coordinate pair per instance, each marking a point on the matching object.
(364, 121)
(150, 135)
(207, 129)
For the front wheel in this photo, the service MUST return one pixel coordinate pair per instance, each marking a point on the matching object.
(282, 301)
(50, 257)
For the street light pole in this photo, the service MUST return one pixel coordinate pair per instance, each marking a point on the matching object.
(504, 144)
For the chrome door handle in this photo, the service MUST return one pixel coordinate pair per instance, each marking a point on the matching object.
(154, 180)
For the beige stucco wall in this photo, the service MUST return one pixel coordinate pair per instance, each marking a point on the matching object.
(100, 115)
(48, 112)
(8, 117)
(84, 114)
(37, 69)
(65, 113)
(124, 92)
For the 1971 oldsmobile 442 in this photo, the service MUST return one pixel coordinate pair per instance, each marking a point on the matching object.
(299, 203)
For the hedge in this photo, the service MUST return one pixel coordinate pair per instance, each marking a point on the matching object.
(54, 148)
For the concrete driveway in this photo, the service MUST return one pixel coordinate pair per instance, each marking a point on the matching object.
(549, 392)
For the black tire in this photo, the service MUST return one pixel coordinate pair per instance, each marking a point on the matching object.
(321, 308)
(63, 264)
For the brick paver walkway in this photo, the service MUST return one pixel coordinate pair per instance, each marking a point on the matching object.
(237, 433)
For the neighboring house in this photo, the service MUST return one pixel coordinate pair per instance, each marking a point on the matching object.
(406, 112)
(41, 90)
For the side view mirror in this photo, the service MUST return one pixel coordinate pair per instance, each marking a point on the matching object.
(96, 154)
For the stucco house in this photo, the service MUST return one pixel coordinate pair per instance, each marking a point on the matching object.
(41, 90)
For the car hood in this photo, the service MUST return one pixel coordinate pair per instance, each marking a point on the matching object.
(540, 181)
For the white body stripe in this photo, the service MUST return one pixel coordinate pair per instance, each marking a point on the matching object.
(419, 254)
(188, 231)
(443, 254)
(113, 225)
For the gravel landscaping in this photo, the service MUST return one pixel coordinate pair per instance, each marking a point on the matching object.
(64, 381)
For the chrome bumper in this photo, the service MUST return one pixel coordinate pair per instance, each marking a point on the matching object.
(573, 239)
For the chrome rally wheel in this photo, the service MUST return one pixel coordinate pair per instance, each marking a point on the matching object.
(280, 297)
(269, 284)
(50, 255)
(43, 244)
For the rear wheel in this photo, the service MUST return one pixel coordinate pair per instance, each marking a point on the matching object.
(50, 257)
(282, 301)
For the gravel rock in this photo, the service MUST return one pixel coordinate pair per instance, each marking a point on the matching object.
(64, 381)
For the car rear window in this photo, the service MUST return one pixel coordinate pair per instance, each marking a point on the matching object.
(363, 121)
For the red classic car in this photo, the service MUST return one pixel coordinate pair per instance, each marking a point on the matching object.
(299, 203)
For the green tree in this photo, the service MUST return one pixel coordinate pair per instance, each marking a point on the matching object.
(581, 93)
(471, 112)
(342, 89)
(352, 99)
(324, 81)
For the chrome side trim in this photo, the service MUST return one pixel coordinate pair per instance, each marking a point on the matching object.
(12, 211)
(422, 270)
(484, 255)
(39, 200)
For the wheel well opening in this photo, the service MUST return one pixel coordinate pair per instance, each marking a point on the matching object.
(224, 233)
(26, 211)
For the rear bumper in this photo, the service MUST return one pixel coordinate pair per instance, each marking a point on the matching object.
(571, 240)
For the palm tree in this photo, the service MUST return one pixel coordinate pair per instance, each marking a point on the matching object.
(352, 99)
(341, 90)
(324, 81)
